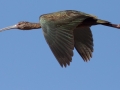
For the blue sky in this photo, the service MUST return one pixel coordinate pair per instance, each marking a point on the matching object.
(26, 62)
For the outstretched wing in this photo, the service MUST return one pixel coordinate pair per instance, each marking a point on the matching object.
(58, 31)
(83, 42)
(61, 42)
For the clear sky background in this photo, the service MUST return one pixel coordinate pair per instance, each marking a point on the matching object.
(27, 63)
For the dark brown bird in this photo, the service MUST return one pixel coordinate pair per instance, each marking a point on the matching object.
(65, 30)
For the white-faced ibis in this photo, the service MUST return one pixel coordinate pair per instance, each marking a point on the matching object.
(65, 30)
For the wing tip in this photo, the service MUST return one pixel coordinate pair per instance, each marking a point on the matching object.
(65, 64)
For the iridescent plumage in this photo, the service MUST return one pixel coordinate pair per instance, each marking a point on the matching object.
(65, 30)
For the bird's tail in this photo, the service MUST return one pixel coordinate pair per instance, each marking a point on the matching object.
(107, 23)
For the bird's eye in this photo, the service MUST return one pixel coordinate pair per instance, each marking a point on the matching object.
(19, 23)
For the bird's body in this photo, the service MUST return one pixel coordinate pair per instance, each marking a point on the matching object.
(65, 30)
(59, 29)
(63, 17)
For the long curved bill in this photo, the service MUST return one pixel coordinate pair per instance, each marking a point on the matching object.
(8, 28)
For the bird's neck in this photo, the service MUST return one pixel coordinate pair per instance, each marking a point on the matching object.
(30, 26)
(34, 25)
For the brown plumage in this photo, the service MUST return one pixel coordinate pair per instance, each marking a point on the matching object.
(65, 30)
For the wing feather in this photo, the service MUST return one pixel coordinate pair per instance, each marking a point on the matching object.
(62, 46)
(83, 42)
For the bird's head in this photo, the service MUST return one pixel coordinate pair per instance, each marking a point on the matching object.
(23, 26)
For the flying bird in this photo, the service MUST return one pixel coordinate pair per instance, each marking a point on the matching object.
(66, 30)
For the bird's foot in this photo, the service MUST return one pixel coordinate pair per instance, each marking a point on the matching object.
(118, 26)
